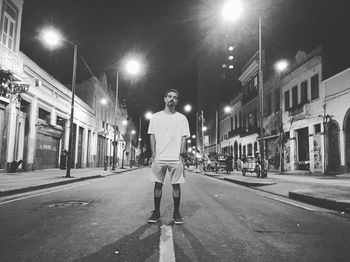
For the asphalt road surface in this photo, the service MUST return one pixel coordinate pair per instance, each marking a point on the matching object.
(106, 220)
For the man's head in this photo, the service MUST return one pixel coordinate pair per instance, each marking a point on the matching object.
(171, 98)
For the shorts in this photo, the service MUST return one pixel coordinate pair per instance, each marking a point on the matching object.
(176, 170)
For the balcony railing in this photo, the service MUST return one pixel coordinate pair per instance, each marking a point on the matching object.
(250, 130)
(234, 132)
(9, 60)
(300, 109)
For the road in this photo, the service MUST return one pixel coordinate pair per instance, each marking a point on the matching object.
(106, 220)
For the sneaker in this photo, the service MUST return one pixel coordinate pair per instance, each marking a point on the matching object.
(177, 219)
(154, 217)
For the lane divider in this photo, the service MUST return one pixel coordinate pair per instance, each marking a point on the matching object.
(166, 244)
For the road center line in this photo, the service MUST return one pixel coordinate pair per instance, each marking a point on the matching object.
(166, 244)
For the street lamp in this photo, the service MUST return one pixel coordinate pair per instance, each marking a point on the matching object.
(148, 115)
(281, 66)
(232, 10)
(133, 132)
(187, 108)
(53, 38)
(132, 67)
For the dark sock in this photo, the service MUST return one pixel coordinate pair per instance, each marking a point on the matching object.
(176, 204)
(157, 203)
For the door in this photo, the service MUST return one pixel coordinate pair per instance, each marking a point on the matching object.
(47, 149)
(303, 148)
(333, 147)
(347, 143)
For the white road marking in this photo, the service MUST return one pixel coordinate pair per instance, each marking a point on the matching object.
(166, 244)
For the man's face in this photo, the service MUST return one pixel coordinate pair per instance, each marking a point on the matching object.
(171, 99)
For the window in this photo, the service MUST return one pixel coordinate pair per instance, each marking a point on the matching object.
(304, 92)
(9, 26)
(44, 115)
(60, 121)
(294, 96)
(314, 87)
(231, 123)
(250, 149)
(255, 147)
(317, 128)
(236, 124)
(244, 123)
(286, 101)
(277, 100)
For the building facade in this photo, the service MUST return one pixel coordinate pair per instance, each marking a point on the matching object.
(35, 111)
(336, 122)
(302, 108)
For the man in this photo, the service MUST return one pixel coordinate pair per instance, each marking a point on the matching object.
(168, 130)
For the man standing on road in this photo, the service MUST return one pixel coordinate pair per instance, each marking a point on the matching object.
(168, 130)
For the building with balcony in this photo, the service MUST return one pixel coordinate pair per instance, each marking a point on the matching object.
(302, 110)
(250, 106)
(11, 71)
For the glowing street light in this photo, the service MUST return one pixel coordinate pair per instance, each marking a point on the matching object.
(148, 115)
(187, 108)
(204, 128)
(52, 38)
(103, 101)
(133, 67)
(232, 10)
(227, 109)
(281, 65)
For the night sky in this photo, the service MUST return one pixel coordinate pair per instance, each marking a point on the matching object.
(172, 35)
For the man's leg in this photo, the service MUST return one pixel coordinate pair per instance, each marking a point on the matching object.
(177, 195)
(158, 187)
(157, 197)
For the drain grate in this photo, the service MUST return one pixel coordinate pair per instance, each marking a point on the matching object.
(69, 204)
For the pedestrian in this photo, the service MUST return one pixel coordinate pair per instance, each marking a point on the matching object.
(168, 131)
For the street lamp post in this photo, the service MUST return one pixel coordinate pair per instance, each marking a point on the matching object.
(131, 134)
(52, 38)
(281, 66)
(132, 67)
(261, 99)
(115, 120)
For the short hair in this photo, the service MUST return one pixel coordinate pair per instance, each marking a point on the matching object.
(172, 90)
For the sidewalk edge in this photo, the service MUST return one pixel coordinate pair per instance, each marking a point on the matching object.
(319, 201)
(43, 186)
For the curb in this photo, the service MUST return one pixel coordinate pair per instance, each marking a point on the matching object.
(249, 184)
(319, 201)
(59, 183)
(43, 186)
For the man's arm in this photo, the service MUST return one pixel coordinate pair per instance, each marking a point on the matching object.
(183, 147)
(152, 140)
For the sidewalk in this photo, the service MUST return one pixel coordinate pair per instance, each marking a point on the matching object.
(14, 183)
(332, 192)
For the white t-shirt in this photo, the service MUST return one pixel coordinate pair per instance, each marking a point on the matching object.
(168, 130)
